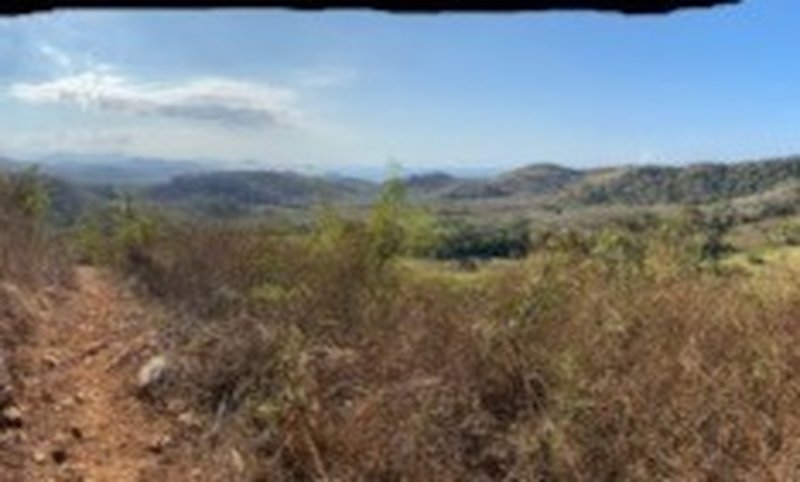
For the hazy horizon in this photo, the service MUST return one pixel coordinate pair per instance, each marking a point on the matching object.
(62, 162)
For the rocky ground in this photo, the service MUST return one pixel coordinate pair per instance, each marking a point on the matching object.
(74, 410)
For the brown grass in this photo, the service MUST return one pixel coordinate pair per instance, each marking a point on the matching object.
(30, 262)
(29, 254)
(596, 359)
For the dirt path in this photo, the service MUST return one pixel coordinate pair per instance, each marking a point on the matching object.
(81, 419)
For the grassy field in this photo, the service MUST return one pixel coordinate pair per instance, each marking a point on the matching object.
(600, 356)
(634, 351)
(767, 258)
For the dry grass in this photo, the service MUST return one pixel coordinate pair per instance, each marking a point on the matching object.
(30, 262)
(29, 254)
(604, 359)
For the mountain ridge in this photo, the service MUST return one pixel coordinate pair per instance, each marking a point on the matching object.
(184, 183)
(630, 185)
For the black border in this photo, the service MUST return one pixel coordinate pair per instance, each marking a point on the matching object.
(21, 7)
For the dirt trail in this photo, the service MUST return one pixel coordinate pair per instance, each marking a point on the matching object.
(81, 418)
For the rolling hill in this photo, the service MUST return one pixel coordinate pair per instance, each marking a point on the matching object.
(755, 187)
(253, 188)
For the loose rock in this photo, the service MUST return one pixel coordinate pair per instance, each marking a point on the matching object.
(238, 461)
(50, 361)
(189, 420)
(152, 373)
(158, 444)
(39, 457)
(11, 417)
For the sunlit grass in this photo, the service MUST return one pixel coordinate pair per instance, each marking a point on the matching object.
(766, 259)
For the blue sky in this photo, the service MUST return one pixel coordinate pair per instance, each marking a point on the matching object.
(328, 90)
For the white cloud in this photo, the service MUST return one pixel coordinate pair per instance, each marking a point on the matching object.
(214, 100)
(195, 117)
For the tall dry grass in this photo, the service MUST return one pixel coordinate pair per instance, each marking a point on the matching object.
(611, 357)
(31, 260)
(29, 253)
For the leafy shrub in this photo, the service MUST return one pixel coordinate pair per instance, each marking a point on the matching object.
(460, 240)
(787, 234)
(117, 234)
(396, 227)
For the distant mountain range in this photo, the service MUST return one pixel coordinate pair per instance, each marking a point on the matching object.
(253, 188)
(538, 183)
(189, 184)
(636, 185)
(110, 169)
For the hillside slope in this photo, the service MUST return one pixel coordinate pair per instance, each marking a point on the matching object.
(543, 187)
(627, 185)
(698, 183)
(259, 188)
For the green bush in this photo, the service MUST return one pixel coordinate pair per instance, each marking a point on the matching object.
(461, 240)
(787, 234)
(395, 227)
(118, 234)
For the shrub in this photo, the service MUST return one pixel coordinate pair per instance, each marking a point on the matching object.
(460, 240)
(601, 356)
(118, 234)
(396, 227)
(787, 234)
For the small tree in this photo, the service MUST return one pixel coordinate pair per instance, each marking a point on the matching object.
(26, 194)
(716, 227)
(385, 226)
(395, 227)
(132, 232)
